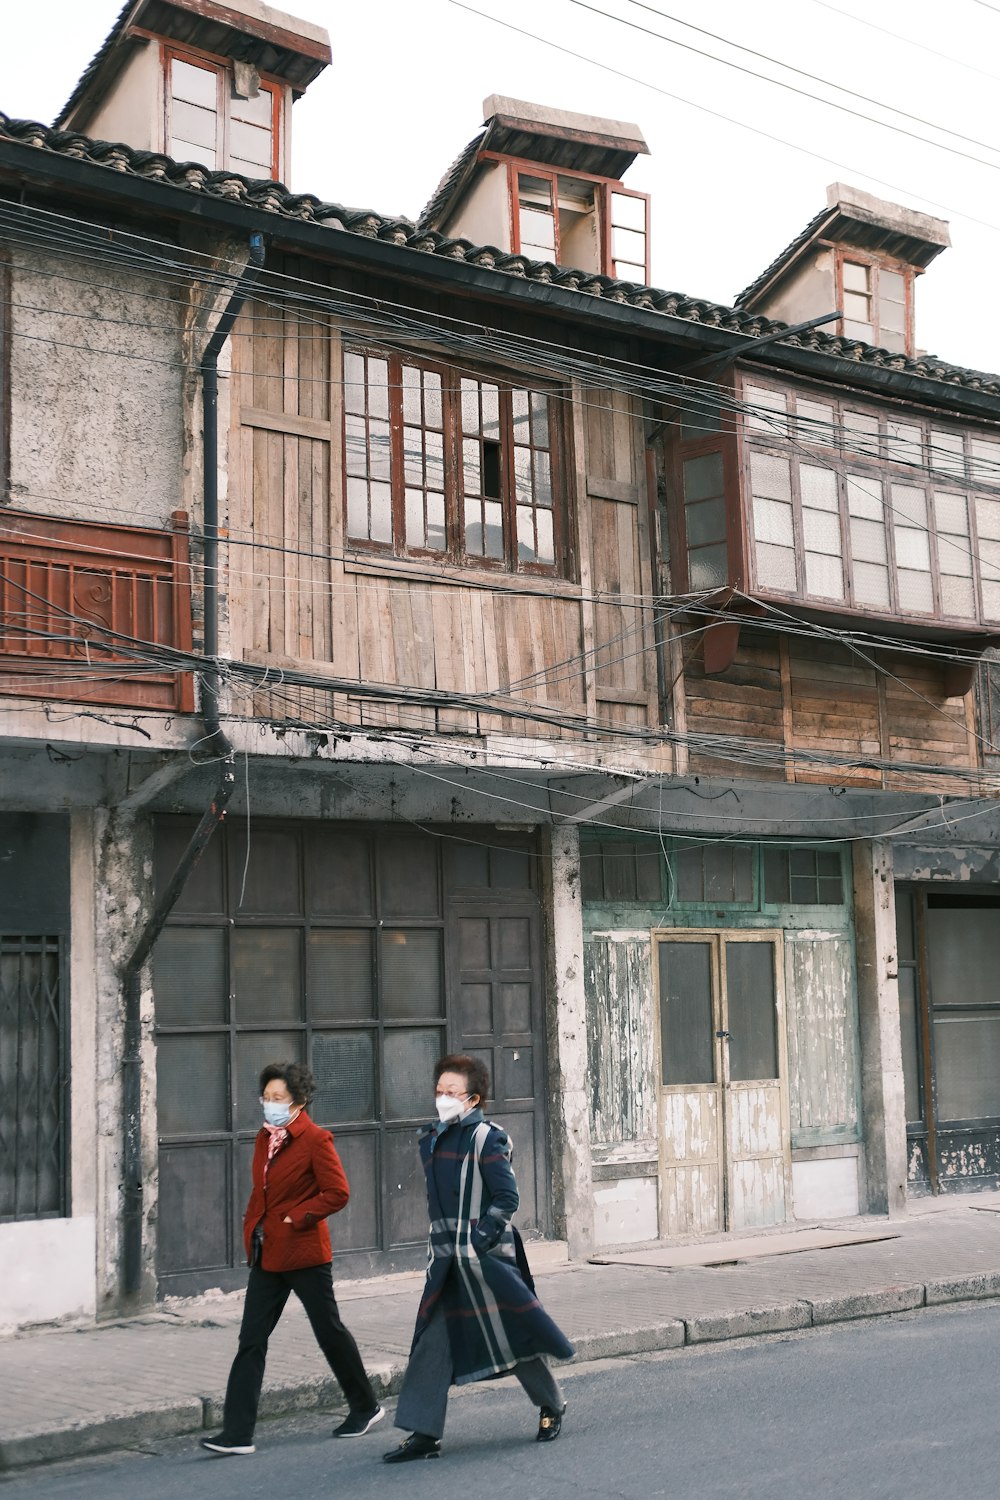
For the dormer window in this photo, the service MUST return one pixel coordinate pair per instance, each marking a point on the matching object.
(221, 119)
(581, 221)
(878, 303)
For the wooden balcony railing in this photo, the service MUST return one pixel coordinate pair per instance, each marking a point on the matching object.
(87, 609)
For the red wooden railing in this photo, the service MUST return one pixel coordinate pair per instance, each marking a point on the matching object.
(85, 610)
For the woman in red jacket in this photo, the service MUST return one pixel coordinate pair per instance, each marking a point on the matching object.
(297, 1182)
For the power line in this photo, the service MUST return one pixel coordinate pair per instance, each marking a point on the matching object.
(908, 41)
(790, 87)
(802, 73)
(728, 119)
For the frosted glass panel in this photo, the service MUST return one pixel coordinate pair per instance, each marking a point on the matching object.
(772, 522)
(818, 487)
(824, 576)
(821, 532)
(871, 585)
(776, 568)
(770, 477)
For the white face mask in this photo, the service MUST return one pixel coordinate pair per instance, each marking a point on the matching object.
(448, 1107)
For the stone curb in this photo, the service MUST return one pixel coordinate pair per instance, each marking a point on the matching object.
(203, 1413)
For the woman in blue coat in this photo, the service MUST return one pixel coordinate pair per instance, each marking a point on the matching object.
(479, 1316)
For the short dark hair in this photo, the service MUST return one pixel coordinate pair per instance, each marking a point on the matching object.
(295, 1076)
(474, 1072)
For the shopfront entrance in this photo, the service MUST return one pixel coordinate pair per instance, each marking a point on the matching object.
(367, 953)
(949, 1003)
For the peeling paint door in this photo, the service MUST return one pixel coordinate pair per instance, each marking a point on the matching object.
(725, 1149)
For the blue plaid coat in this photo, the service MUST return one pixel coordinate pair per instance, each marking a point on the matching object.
(492, 1314)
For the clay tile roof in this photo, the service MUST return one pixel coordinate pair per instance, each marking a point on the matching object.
(273, 198)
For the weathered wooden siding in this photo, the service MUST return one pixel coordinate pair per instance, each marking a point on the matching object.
(792, 694)
(822, 1028)
(622, 1067)
(691, 1194)
(298, 599)
(757, 1155)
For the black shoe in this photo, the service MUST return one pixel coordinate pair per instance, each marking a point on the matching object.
(221, 1444)
(549, 1425)
(417, 1445)
(357, 1423)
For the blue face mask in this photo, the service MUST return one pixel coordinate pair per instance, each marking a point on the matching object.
(276, 1114)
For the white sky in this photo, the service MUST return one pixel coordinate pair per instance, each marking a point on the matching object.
(405, 93)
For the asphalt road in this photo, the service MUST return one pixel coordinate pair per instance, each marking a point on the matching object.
(886, 1408)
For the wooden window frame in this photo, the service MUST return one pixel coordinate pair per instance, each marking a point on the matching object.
(518, 166)
(222, 68)
(888, 470)
(6, 294)
(454, 551)
(876, 265)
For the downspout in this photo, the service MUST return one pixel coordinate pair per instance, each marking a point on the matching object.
(132, 1207)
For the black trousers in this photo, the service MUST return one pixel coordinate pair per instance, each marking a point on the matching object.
(267, 1293)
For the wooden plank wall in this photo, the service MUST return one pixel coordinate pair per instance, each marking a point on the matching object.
(822, 1031)
(298, 600)
(622, 1067)
(793, 693)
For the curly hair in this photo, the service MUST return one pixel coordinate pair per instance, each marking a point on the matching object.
(296, 1077)
(472, 1069)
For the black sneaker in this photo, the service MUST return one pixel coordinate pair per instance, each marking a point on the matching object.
(549, 1424)
(221, 1444)
(357, 1423)
(417, 1445)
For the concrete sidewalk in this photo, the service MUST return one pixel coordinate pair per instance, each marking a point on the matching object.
(118, 1385)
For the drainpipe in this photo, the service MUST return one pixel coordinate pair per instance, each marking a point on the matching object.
(132, 1213)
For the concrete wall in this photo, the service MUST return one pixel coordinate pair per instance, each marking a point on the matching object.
(133, 109)
(808, 293)
(102, 348)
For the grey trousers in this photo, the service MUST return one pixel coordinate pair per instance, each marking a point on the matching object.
(423, 1400)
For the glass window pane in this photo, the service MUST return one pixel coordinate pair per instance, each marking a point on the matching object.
(196, 85)
(860, 430)
(903, 442)
(772, 522)
(915, 590)
(752, 1012)
(985, 460)
(871, 585)
(412, 974)
(408, 877)
(258, 111)
(338, 875)
(818, 487)
(354, 382)
(378, 388)
(381, 513)
(356, 1226)
(254, 1050)
(267, 883)
(189, 122)
(266, 969)
(963, 945)
(194, 1189)
(947, 452)
(775, 876)
(868, 541)
(776, 568)
(628, 211)
(249, 145)
(689, 870)
(767, 410)
(341, 974)
(910, 1044)
(189, 976)
(855, 276)
(864, 497)
(815, 423)
(343, 1064)
(708, 567)
(821, 532)
(628, 244)
(406, 1196)
(958, 597)
(703, 477)
(770, 477)
(493, 529)
(545, 537)
(539, 420)
(192, 1084)
(357, 508)
(853, 329)
(409, 1058)
(824, 576)
(686, 1025)
(967, 1065)
(705, 522)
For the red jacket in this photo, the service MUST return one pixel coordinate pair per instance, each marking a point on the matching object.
(305, 1183)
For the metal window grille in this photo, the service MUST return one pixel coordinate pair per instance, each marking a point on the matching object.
(32, 1079)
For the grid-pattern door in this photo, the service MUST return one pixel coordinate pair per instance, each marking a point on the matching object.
(498, 980)
(323, 946)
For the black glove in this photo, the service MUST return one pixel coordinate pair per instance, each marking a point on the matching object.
(488, 1231)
